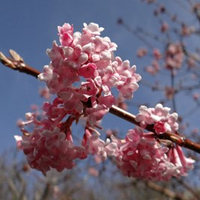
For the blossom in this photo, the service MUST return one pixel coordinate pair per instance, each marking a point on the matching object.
(96, 114)
(159, 116)
(92, 171)
(154, 68)
(157, 54)
(174, 56)
(141, 52)
(81, 75)
(140, 155)
(49, 149)
(169, 92)
(65, 33)
(88, 70)
(92, 28)
(177, 157)
(83, 71)
(44, 92)
(93, 144)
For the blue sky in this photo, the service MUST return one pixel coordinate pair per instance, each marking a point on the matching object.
(29, 27)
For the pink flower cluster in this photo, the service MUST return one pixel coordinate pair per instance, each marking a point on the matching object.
(82, 72)
(51, 145)
(46, 149)
(159, 116)
(174, 56)
(154, 68)
(140, 155)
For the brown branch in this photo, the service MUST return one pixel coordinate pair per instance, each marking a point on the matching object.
(164, 191)
(189, 188)
(155, 187)
(17, 63)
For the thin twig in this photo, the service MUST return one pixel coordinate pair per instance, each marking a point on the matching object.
(15, 62)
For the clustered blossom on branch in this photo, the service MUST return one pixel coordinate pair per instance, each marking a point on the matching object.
(83, 71)
(82, 75)
(159, 116)
(173, 58)
(140, 155)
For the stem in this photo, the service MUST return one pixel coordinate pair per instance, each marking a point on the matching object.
(172, 86)
(18, 64)
(174, 137)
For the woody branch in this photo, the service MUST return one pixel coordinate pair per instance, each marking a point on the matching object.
(15, 62)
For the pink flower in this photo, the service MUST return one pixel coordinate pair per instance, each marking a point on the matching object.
(159, 116)
(140, 155)
(96, 113)
(88, 71)
(174, 56)
(169, 92)
(92, 28)
(93, 144)
(72, 100)
(18, 141)
(141, 52)
(154, 68)
(49, 149)
(107, 100)
(89, 88)
(47, 74)
(177, 157)
(66, 34)
(160, 127)
(127, 81)
(157, 54)
(44, 92)
(92, 171)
